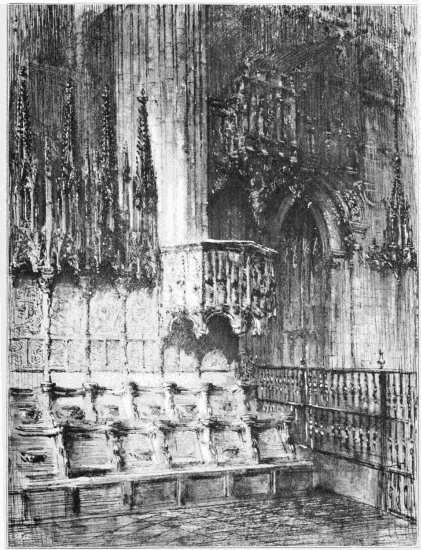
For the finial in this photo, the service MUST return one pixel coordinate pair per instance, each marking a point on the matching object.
(381, 361)
(143, 97)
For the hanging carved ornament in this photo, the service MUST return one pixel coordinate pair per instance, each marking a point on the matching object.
(397, 252)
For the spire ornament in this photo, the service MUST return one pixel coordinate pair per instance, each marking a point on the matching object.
(143, 248)
(145, 189)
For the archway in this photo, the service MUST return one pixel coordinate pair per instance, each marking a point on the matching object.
(302, 286)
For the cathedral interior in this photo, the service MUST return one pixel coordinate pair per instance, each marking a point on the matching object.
(212, 265)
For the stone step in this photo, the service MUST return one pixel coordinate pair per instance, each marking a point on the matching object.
(117, 494)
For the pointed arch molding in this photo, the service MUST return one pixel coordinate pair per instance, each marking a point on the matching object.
(326, 214)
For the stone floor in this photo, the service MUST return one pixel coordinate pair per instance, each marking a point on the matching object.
(316, 518)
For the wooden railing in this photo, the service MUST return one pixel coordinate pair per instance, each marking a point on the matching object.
(367, 416)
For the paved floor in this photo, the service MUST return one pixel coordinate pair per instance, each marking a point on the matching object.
(317, 518)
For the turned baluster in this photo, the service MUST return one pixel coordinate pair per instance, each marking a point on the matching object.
(360, 404)
(351, 390)
(365, 399)
(207, 279)
(401, 412)
(328, 388)
(397, 442)
(406, 400)
(373, 403)
(265, 384)
(309, 389)
(227, 270)
(411, 450)
(338, 389)
(322, 429)
(361, 435)
(394, 397)
(316, 423)
(405, 442)
(353, 435)
(319, 389)
(342, 396)
(215, 276)
(396, 491)
(329, 430)
(299, 381)
(368, 436)
(374, 439)
(322, 392)
(289, 383)
(347, 435)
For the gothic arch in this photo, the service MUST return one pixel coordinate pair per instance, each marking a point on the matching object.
(325, 214)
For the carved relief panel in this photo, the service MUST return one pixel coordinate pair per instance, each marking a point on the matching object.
(143, 351)
(26, 309)
(68, 328)
(26, 347)
(142, 315)
(106, 315)
(106, 326)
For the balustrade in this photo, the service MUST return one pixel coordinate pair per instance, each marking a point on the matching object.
(364, 415)
(234, 278)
